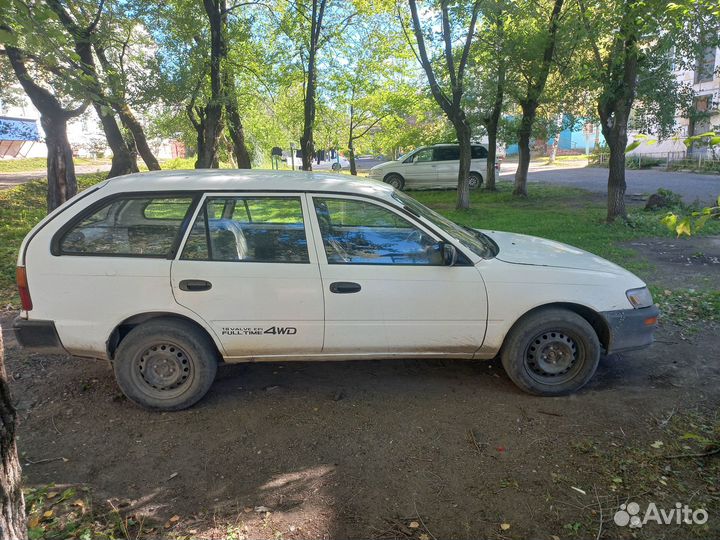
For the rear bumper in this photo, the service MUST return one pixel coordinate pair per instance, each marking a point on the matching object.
(631, 329)
(38, 335)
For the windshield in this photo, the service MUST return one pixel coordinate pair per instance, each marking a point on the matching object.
(474, 240)
(407, 155)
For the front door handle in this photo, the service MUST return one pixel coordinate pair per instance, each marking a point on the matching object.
(344, 287)
(193, 285)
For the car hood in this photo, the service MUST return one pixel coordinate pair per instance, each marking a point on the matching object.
(384, 165)
(535, 251)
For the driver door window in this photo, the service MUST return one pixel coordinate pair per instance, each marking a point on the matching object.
(359, 232)
(423, 156)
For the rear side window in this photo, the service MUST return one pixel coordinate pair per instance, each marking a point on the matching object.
(447, 153)
(249, 229)
(132, 226)
(479, 152)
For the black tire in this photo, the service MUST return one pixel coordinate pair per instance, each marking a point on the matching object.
(475, 180)
(336, 166)
(395, 180)
(551, 352)
(165, 364)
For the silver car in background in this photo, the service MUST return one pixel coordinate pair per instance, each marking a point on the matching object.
(429, 167)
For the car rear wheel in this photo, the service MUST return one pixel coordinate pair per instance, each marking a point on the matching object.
(551, 352)
(475, 180)
(165, 364)
(395, 180)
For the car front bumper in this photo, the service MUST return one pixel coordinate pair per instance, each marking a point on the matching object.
(631, 329)
(38, 336)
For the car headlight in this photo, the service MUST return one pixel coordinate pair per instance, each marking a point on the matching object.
(640, 298)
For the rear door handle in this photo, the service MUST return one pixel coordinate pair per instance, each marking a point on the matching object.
(344, 287)
(193, 285)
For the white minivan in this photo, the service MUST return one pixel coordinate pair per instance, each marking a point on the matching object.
(168, 273)
(431, 167)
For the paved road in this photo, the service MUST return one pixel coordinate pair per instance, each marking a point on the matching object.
(691, 186)
(8, 180)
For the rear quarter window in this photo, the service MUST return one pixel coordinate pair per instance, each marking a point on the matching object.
(127, 226)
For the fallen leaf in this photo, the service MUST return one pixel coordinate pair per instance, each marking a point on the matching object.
(173, 475)
(414, 525)
(52, 494)
(555, 537)
(424, 536)
(175, 518)
(657, 444)
(261, 509)
(48, 514)
(504, 526)
(34, 522)
(79, 503)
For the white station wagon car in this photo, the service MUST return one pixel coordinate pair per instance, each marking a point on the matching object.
(432, 167)
(168, 273)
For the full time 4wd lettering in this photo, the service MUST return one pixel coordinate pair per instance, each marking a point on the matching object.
(274, 330)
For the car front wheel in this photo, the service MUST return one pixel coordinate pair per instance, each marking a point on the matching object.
(165, 364)
(551, 352)
(395, 180)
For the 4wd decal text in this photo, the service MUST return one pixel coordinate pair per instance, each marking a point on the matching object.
(257, 331)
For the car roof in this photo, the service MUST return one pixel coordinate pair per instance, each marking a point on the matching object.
(245, 179)
(453, 144)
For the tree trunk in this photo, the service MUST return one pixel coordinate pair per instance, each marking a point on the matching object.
(62, 182)
(553, 149)
(462, 129)
(235, 126)
(307, 146)
(524, 133)
(129, 120)
(617, 142)
(213, 124)
(530, 103)
(491, 157)
(12, 503)
(122, 160)
(127, 117)
(351, 156)
(493, 121)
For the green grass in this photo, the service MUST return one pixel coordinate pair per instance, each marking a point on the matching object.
(565, 214)
(39, 164)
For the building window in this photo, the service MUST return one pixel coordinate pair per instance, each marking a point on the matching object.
(705, 66)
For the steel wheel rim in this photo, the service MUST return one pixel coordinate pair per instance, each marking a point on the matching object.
(394, 182)
(473, 181)
(554, 357)
(163, 370)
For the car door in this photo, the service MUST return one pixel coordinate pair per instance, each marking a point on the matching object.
(248, 269)
(385, 286)
(447, 160)
(418, 170)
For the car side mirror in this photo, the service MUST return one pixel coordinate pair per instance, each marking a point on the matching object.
(449, 254)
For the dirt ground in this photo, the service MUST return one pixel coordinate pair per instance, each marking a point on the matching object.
(396, 449)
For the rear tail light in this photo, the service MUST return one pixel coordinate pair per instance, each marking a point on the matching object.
(22, 284)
